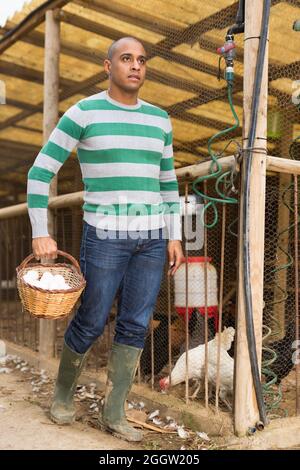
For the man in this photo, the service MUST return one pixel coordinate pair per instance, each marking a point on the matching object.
(131, 202)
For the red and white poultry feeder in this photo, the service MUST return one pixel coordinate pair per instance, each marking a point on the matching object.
(196, 288)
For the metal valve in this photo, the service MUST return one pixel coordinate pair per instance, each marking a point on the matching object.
(227, 51)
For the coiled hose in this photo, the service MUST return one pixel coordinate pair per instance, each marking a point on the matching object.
(216, 171)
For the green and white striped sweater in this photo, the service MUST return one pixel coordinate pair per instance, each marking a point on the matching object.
(126, 158)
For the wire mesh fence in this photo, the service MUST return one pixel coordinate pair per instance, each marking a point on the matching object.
(197, 101)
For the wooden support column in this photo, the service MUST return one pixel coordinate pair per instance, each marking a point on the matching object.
(245, 406)
(50, 118)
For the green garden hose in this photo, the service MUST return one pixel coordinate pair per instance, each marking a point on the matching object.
(216, 171)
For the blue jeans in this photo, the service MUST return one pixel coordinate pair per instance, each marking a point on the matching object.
(131, 267)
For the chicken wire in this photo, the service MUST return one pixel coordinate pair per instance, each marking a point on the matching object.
(163, 348)
(280, 291)
(15, 244)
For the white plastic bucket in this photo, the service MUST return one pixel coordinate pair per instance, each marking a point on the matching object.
(196, 287)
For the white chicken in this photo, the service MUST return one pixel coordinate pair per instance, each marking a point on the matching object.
(196, 363)
(226, 364)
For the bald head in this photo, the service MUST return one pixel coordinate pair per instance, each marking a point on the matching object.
(125, 66)
(117, 44)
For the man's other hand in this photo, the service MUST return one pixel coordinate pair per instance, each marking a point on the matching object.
(175, 256)
(44, 247)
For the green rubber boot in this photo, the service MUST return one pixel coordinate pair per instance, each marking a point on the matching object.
(71, 363)
(121, 366)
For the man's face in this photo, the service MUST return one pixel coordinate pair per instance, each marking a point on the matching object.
(127, 67)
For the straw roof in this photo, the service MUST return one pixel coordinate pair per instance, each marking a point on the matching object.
(181, 37)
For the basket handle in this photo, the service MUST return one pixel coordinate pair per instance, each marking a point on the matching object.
(59, 252)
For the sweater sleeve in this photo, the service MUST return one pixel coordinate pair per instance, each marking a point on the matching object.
(53, 154)
(169, 188)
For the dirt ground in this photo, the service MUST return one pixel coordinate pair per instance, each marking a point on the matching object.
(25, 425)
(25, 397)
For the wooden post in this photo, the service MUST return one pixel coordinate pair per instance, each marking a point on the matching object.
(51, 102)
(245, 406)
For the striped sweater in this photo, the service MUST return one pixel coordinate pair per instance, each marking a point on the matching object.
(126, 158)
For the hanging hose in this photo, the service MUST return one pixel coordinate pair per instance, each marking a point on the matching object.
(216, 169)
(227, 51)
(272, 398)
(245, 209)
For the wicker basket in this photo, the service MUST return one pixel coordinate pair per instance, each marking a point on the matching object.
(50, 304)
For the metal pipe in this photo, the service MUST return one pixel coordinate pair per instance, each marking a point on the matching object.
(239, 25)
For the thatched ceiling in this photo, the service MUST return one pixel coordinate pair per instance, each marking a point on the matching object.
(181, 37)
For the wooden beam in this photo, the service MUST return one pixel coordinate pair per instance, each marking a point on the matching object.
(152, 49)
(131, 15)
(47, 328)
(175, 35)
(29, 74)
(12, 145)
(196, 119)
(13, 211)
(201, 169)
(92, 55)
(32, 75)
(152, 74)
(176, 110)
(24, 106)
(283, 165)
(190, 35)
(37, 38)
(19, 117)
(74, 199)
(191, 171)
(207, 95)
(27, 128)
(32, 20)
(88, 85)
(245, 405)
